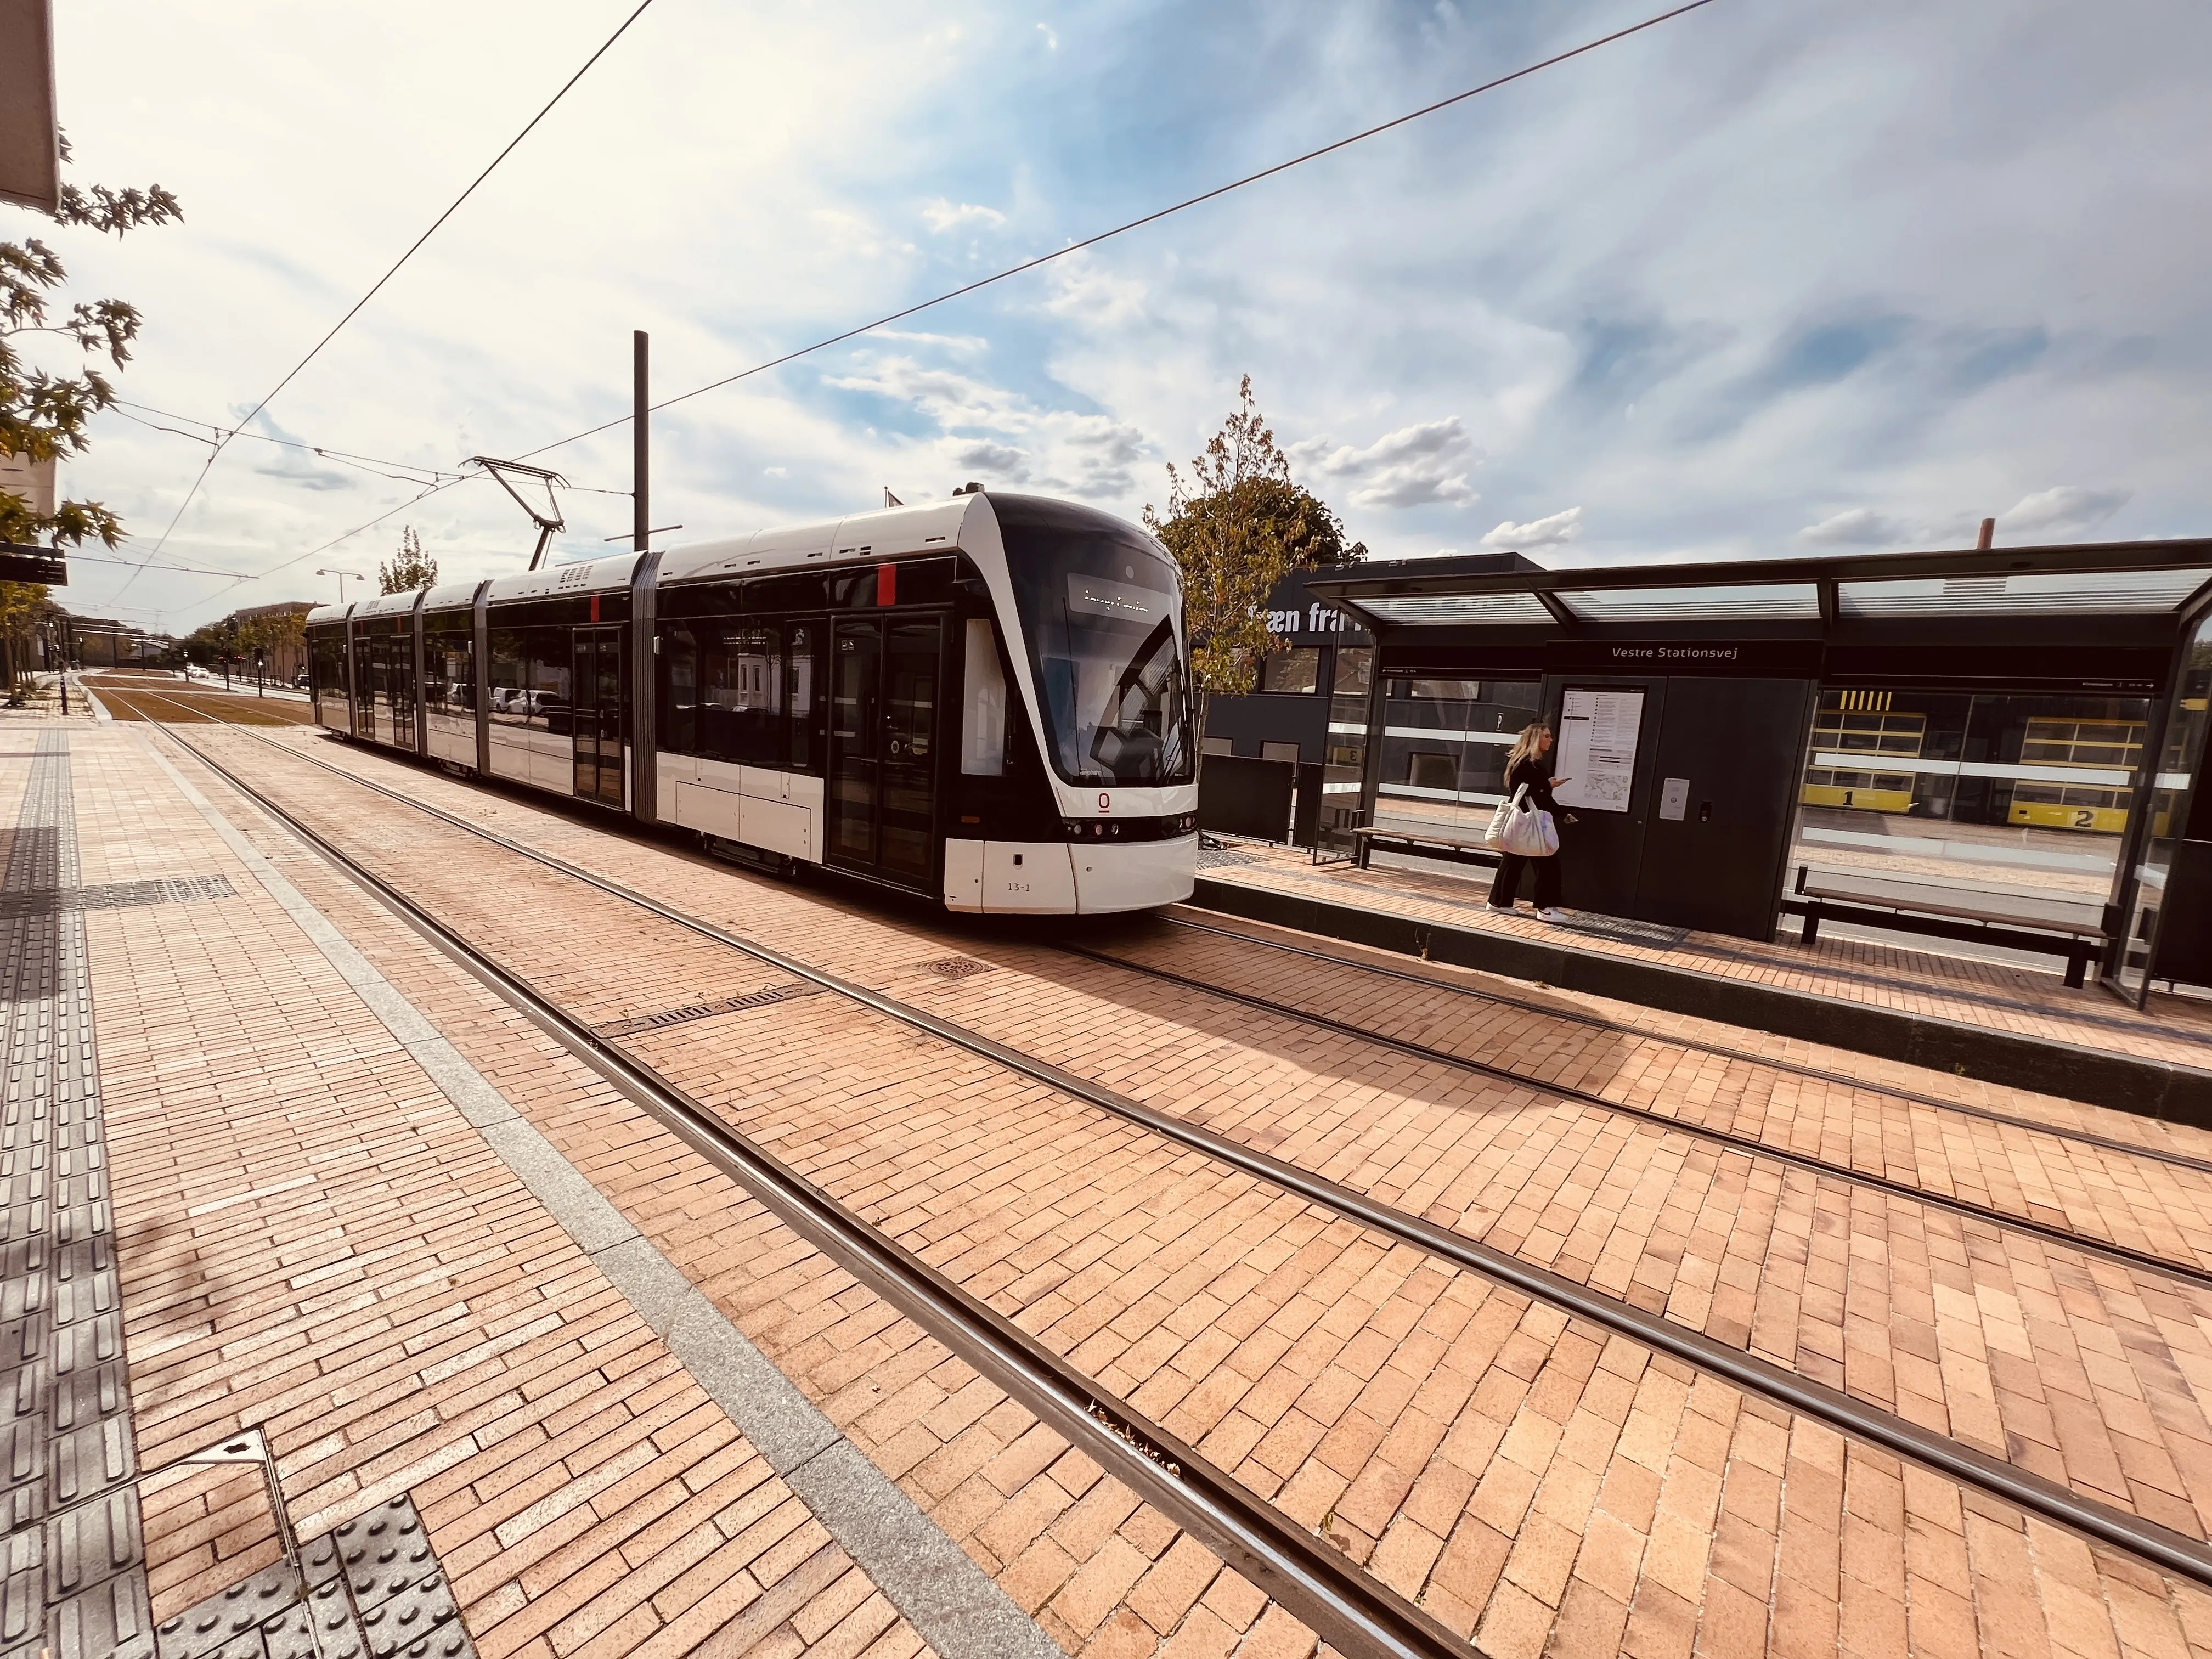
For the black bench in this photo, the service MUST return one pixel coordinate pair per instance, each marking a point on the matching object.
(2080, 942)
(1423, 843)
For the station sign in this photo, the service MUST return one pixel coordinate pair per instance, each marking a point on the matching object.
(1779, 659)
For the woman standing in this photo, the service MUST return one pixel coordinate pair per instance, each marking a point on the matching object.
(1527, 766)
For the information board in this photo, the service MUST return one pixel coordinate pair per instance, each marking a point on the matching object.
(1596, 753)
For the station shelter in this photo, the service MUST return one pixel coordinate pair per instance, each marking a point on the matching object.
(1992, 734)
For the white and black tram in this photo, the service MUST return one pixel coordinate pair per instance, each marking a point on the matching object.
(986, 698)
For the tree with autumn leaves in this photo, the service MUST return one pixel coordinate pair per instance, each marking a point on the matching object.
(1237, 526)
(43, 412)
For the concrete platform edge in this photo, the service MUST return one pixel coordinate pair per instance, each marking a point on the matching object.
(2148, 1088)
(958, 1609)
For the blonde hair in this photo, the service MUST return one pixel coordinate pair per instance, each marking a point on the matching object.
(1528, 745)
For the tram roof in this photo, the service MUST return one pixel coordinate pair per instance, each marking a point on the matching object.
(2159, 583)
(556, 581)
(923, 527)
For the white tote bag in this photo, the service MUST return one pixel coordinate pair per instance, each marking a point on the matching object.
(1521, 829)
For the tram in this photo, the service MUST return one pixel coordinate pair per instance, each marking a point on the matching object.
(985, 699)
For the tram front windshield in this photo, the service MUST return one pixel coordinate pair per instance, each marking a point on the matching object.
(1102, 612)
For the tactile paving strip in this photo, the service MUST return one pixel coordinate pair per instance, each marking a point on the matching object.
(370, 1589)
(75, 1580)
(117, 894)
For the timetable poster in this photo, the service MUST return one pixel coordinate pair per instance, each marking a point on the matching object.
(1597, 748)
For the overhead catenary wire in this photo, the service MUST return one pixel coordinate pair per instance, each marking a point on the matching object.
(224, 434)
(355, 310)
(970, 288)
(324, 547)
(1153, 217)
(187, 569)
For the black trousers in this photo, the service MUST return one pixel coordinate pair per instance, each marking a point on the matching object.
(1507, 887)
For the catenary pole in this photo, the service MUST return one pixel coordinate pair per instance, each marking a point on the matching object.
(641, 504)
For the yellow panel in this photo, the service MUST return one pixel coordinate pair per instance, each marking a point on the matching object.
(2103, 820)
(1862, 800)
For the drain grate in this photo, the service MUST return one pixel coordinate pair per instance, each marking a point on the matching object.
(1654, 934)
(705, 1010)
(955, 967)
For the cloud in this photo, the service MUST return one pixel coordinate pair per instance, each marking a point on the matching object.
(948, 398)
(1051, 41)
(1001, 433)
(1854, 526)
(1004, 460)
(294, 466)
(2064, 509)
(1909, 305)
(966, 345)
(942, 215)
(1116, 444)
(1554, 531)
(1414, 466)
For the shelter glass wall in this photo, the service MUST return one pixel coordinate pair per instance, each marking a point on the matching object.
(1344, 752)
(2180, 757)
(1443, 749)
(2007, 802)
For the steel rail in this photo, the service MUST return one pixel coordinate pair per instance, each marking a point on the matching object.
(1344, 1604)
(1844, 1079)
(2160, 1545)
(2060, 1237)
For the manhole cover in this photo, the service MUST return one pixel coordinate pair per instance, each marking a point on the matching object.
(958, 967)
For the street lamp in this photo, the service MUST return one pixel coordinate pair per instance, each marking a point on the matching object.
(341, 575)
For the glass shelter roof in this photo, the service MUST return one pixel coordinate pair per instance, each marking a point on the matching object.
(2142, 579)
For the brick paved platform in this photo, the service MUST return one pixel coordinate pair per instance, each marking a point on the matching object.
(381, 1373)
(1259, 1331)
(2006, 1024)
(383, 1248)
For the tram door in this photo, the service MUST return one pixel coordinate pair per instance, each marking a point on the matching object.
(364, 686)
(883, 747)
(598, 714)
(398, 651)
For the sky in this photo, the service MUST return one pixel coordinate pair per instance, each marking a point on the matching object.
(1767, 280)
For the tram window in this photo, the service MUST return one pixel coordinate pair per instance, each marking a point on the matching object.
(741, 694)
(449, 667)
(547, 690)
(799, 591)
(803, 694)
(1100, 609)
(328, 653)
(679, 696)
(983, 704)
(508, 705)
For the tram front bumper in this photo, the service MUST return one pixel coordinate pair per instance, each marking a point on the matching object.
(1133, 875)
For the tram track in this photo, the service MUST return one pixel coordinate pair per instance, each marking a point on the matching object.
(1750, 1146)
(1871, 1425)
(1698, 1045)
(1346, 1606)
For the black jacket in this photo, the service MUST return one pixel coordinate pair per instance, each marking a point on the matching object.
(1536, 773)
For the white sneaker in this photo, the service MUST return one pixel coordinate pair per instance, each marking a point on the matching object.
(1551, 916)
